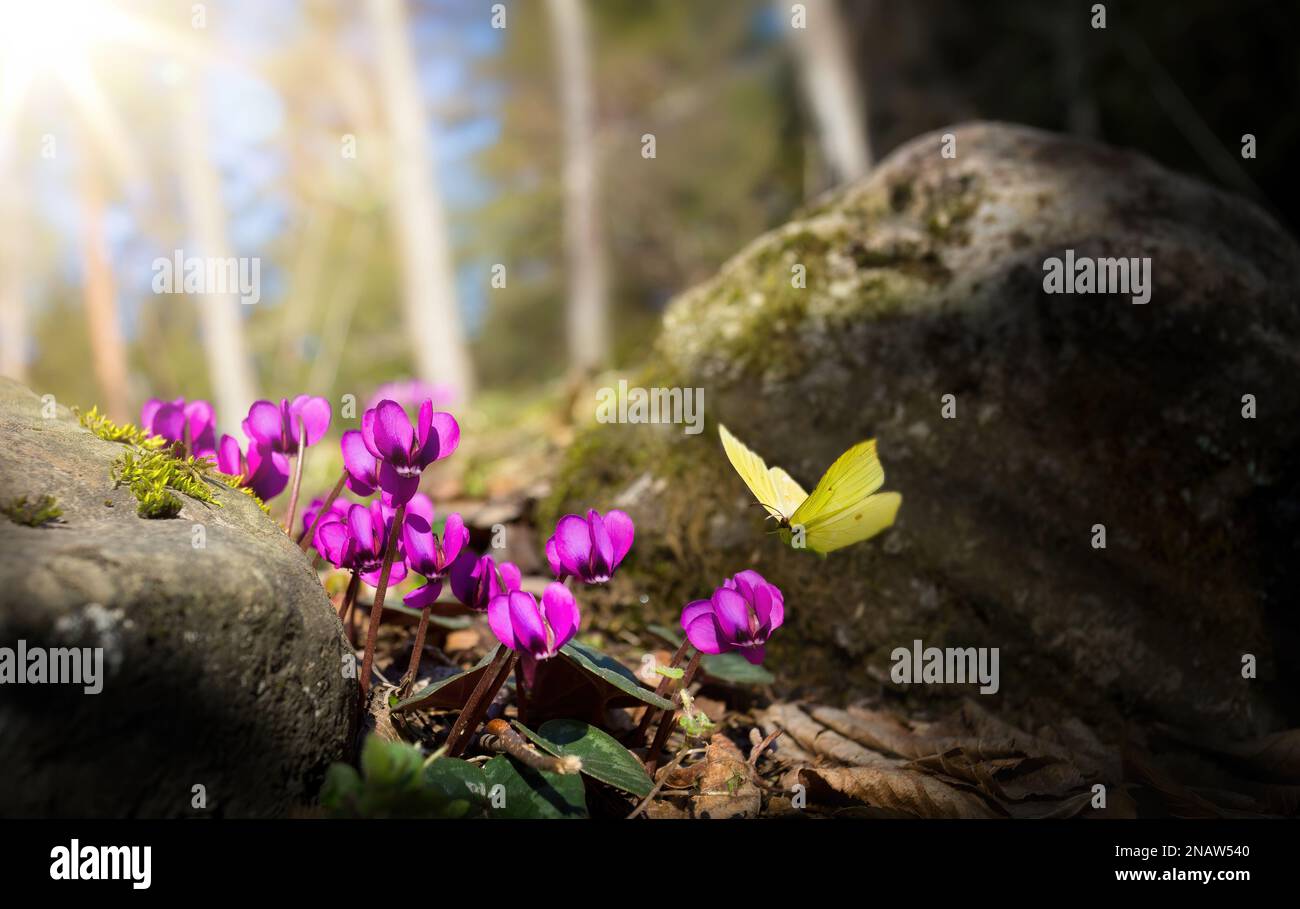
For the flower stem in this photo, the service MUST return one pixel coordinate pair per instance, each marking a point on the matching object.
(377, 610)
(297, 477)
(667, 723)
(308, 535)
(521, 694)
(648, 718)
(471, 715)
(418, 651)
(350, 597)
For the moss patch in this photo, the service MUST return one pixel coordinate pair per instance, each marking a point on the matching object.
(34, 512)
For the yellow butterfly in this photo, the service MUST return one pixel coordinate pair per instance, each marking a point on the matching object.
(843, 509)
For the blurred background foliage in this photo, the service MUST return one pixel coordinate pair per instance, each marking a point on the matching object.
(281, 85)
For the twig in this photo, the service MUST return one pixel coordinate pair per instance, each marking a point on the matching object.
(757, 751)
(498, 735)
(663, 778)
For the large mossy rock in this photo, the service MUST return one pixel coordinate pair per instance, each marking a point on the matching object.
(222, 665)
(926, 280)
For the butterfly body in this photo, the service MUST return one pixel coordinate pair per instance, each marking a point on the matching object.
(843, 508)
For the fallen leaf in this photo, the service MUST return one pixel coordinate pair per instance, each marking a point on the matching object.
(895, 791)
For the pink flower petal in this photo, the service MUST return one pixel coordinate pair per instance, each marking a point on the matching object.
(704, 634)
(264, 425)
(393, 433)
(499, 621)
(621, 532)
(573, 544)
(561, 611)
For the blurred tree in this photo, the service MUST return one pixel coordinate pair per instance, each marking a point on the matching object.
(711, 83)
(434, 327)
(229, 368)
(13, 303)
(588, 307)
(99, 293)
(833, 89)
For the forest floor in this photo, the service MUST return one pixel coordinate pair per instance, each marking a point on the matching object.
(778, 750)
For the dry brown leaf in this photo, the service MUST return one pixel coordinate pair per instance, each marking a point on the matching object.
(1275, 758)
(462, 639)
(873, 729)
(895, 791)
(1181, 801)
(820, 741)
(727, 784)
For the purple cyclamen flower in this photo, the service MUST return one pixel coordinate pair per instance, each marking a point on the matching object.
(741, 615)
(359, 543)
(476, 580)
(266, 472)
(431, 556)
(338, 511)
(589, 548)
(275, 426)
(362, 467)
(402, 451)
(192, 423)
(536, 630)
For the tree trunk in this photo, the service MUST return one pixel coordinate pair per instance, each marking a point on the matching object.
(230, 371)
(833, 90)
(108, 351)
(433, 319)
(587, 315)
(13, 306)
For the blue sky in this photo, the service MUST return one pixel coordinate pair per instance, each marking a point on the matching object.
(245, 117)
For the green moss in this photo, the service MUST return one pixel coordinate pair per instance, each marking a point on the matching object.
(109, 431)
(41, 510)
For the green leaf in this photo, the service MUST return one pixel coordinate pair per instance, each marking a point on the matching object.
(460, 786)
(612, 671)
(531, 794)
(723, 667)
(389, 763)
(341, 789)
(450, 692)
(603, 758)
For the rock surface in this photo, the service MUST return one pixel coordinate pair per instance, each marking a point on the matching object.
(222, 665)
(926, 280)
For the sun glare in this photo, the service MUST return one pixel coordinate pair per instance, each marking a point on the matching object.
(39, 36)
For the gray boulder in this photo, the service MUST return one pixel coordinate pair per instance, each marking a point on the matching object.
(926, 280)
(222, 665)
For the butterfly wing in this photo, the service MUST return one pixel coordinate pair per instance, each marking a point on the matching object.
(842, 509)
(790, 495)
(853, 525)
(855, 475)
(751, 468)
